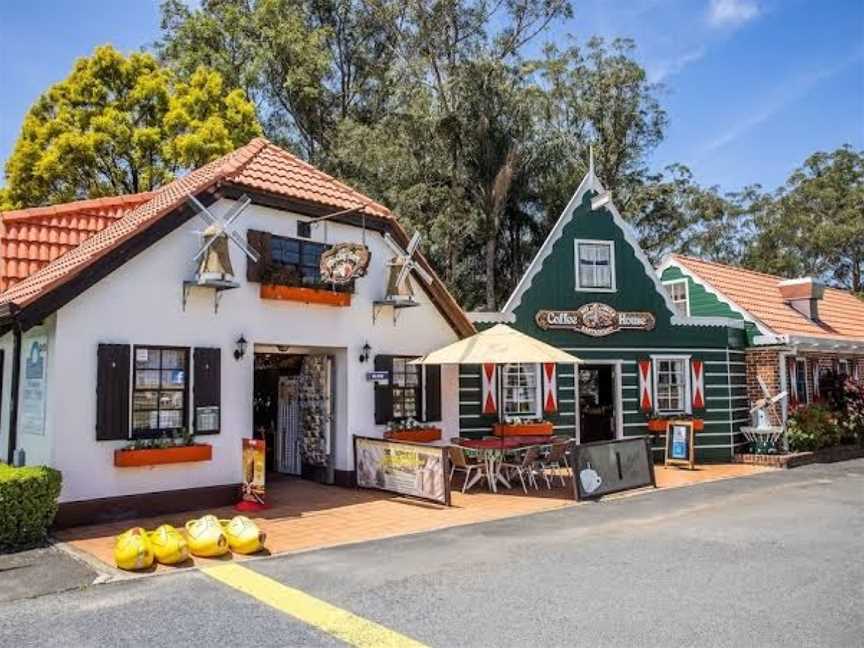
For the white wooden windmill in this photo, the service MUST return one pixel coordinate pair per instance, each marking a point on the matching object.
(214, 258)
(762, 433)
(400, 293)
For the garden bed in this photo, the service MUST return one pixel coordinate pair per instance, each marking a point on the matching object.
(795, 459)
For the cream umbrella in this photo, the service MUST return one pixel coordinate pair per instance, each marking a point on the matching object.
(500, 344)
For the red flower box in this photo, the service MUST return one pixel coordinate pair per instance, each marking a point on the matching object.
(417, 435)
(156, 456)
(543, 428)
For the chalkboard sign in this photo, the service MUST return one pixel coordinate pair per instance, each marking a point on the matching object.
(679, 443)
(606, 467)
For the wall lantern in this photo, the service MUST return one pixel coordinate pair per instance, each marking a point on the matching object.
(364, 352)
(240, 351)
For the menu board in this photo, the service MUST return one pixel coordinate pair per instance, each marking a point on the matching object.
(679, 443)
(412, 469)
(606, 467)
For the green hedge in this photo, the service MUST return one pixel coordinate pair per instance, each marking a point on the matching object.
(28, 503)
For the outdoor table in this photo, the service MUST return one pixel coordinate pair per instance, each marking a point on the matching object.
(492, 451)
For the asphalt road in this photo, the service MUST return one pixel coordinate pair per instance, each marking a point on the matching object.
(774, 559)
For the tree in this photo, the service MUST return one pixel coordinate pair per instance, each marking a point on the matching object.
(122, 124)
(814, 225)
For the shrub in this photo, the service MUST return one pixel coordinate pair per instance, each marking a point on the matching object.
(852, 420)
(28, 503)
(812, 428)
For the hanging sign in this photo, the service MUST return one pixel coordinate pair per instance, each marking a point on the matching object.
(594, 319)
(415, 469)
(344, 262)
(378, 377)
(253, 470)
(679, 443)
(605, 467)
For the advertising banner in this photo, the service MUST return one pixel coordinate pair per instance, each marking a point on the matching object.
(680, 443)
(34, 385)
(412, 469)
(605, 467)
(253, 470)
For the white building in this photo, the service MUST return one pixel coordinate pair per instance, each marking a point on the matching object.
(106, 344)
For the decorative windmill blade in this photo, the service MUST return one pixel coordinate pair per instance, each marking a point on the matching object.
(240, 242)
(203, 212)
(764, 387)
(779, 397)
(211, 237)
(398, 251)
(236, 210)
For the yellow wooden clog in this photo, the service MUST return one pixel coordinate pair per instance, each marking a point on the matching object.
(169, 545)
(244, 536)
(205, 537)
(132, 550)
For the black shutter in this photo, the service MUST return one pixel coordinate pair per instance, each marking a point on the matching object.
(384, 393)
(260, 242)
(207, 367)
(432, 386)
(112, 392)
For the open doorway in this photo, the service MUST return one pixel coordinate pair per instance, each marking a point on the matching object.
(293, 412)
(598, 407)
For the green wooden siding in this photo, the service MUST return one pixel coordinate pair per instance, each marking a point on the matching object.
(553, 287)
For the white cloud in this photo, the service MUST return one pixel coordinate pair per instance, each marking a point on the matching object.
(732, 13)
(662, 69)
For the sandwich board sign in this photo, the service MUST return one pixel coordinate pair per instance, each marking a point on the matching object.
(606, 467)
(679, 444)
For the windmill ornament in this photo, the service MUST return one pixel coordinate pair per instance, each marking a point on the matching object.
(762, 434)
(401, 265)
(214, 258)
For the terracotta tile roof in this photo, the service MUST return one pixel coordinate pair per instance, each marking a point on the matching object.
(32, 238)
(259, 165)
(841, 314)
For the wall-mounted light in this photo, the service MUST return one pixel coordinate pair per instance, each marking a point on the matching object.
(364, 352)
(240, 351)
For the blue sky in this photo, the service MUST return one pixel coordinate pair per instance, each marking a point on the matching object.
(751, 86)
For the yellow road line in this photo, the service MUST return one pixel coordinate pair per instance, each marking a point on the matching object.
(344, 625)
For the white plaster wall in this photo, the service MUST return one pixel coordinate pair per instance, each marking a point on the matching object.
(140, 303)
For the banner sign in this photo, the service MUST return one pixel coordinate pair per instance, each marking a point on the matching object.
(343, 262)
(254, 470)
(606, 467)
(679, 443)
(34, 385)
(595, 319)
(415, 469)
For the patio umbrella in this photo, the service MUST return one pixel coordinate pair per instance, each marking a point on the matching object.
(500, 344)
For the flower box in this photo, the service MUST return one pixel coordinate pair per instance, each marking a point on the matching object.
(156, 456)
(698, 425)
(657, 426)
(417, 435)
(305, 295)
(543, 428)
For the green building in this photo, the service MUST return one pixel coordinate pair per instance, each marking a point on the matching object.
(592, 292)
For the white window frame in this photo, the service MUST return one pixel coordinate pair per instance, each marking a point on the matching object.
(686, 283)
(801, 366)
(611, 246)
(538, 392)
(688, 399)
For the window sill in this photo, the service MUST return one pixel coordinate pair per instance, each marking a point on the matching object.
(156, 456)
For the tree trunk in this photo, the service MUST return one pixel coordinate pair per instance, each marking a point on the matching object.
(490, 273)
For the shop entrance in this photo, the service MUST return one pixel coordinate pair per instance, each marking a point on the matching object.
(293, 411)
(597, 402)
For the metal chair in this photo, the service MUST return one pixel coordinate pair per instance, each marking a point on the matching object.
(555, 460)
(526, 466)
(459, 462)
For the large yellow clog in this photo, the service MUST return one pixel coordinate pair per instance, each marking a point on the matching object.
(205, 537)
(169, 546)
(244, 536)
(132, 550)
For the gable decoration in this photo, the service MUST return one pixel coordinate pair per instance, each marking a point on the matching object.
(550, 388)
(490, 400)
(697, 374)
(645, 387)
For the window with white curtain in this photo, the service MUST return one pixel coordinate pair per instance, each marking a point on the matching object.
(671, 383)
(595, 266)
(520, 390)
(680, 294)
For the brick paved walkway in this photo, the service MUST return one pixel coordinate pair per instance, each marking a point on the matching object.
(306, 515)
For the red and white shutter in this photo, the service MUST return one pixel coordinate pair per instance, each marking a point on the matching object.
(697, 383)
(793, 379)
(550, 388)
(645, 390)
(490, 398)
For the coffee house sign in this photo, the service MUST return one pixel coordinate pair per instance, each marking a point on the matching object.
(594, 319)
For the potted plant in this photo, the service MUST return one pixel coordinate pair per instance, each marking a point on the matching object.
(410, 429)
(519, 426)
(181, 448)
